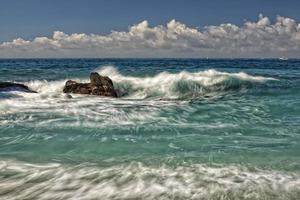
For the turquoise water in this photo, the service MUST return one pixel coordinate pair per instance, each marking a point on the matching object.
(183, 129)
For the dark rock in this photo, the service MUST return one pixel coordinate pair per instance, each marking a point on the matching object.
(9, 86)
(68, 96)
(98, 80)
(99, 85)
(95, 78)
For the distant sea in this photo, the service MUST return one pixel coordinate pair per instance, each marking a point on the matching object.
(183, 129)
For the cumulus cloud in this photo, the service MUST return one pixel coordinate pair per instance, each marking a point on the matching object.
(252, 39)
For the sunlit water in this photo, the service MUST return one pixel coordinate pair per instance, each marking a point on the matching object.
(183, 129)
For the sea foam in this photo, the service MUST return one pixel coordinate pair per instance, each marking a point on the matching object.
(137, 181)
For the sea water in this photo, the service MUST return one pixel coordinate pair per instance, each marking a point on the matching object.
(182, 129)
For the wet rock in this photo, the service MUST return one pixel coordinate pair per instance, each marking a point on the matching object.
(99, 85)
(9, 86)
(68, 96)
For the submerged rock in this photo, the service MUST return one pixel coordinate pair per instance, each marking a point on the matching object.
(68, 96)
(9, 86)
(99, 85)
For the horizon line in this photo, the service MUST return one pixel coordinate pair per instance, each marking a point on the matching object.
(158, 58)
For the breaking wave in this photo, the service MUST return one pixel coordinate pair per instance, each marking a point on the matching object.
(137, 181)
(180, 85)
(165, 85)
(183, 86)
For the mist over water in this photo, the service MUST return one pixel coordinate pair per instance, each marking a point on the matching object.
(181, 129)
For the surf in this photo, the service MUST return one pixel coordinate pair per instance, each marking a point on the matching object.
(164, 85)
(138, 181)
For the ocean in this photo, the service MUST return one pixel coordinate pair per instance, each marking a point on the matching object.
(183, 129)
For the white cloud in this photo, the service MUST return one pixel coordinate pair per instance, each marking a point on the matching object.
(252, 39)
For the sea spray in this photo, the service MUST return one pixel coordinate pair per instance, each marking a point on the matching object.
(165, 85)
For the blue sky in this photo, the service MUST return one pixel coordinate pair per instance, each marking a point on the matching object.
(35, 22)
(31, 18)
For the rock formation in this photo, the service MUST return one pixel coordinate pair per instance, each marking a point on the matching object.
(99, 85)
(9, 86)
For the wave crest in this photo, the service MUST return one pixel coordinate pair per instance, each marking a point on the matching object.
(180, 85)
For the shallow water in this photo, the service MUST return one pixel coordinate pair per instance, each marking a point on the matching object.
(183, 129)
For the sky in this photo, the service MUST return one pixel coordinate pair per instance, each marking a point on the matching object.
(156, 28)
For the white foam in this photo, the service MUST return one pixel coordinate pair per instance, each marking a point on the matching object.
(167, 85)
(138, 181)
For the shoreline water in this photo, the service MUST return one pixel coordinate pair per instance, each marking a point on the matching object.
(143, 182)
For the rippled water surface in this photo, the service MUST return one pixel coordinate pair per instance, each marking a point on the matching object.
(183, 129)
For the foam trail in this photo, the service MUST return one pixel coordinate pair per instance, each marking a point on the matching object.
(137, 181)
